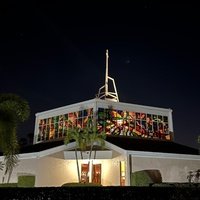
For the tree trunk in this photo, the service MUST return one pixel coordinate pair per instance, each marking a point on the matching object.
(90, 155)
(77, 165)
(9, 175)
(81, 152)
(95, 153)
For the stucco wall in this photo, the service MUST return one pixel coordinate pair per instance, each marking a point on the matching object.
(55, 171)
(24, 166)
(172, 170)
(110, 171)
(49, 171)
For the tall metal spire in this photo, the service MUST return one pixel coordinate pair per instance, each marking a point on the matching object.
(104, 92)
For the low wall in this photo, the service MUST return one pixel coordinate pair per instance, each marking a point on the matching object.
(171, 169)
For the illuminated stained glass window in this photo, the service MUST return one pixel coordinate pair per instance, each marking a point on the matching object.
(56, 127)
(118, 122)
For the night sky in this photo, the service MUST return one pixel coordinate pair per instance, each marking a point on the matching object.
(54, 55)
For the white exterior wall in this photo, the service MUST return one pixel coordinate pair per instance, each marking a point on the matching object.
(110, 171)
(55, 171)
(172, 169)
(52, 172)
(28, 166)
(49, 171)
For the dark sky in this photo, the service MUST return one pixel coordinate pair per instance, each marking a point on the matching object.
(54, 55)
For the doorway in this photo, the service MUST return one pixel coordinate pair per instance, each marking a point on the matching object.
(84, 173)
(96, 173)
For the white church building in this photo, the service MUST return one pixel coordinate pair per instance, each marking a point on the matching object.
(138, 138)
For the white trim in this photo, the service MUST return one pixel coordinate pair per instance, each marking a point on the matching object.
(40, 154)
(115, 148)
(70, 146)
(68, 108)
(100, 154)
(43, 153)
(100, 102)
(63, 147)
(110, 146)
(36, 130)
(170, 123)
(132, 107)
(148, 154)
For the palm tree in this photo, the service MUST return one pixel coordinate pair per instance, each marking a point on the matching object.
(85, 138)
(73, 134)
(13, 110)
(94, 139)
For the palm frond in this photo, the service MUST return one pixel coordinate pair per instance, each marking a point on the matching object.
(13, 110)
(16, 104)
(1, 165)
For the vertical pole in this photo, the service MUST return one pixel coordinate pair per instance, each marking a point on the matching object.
(170, 124)
(36, 131)
(106, 75)
(130, 170)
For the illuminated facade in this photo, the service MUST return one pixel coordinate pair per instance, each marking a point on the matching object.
(115, 118)
(138, 138)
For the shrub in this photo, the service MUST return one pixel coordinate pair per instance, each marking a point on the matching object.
(74, 184)
(26, 181)
(145, 177)
(8, 185)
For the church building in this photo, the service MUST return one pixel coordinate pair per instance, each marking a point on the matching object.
(138, 138)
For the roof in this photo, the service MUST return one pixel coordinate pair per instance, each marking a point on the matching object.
(126, 143)
(41, 146)
(138, 144)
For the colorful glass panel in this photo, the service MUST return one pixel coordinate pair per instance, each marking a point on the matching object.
(118, 122)
(56, 127)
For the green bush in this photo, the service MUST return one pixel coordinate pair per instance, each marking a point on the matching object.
(145, 177)
(162, 185)
(74, 184)
(8, 185)
(26, 181)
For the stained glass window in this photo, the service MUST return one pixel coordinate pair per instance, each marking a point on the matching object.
(56, 127)
(113, 122)
(118, 122)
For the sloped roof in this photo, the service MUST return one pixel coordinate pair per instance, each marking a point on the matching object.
(41, 146)
(126, 143)
(138, 144)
